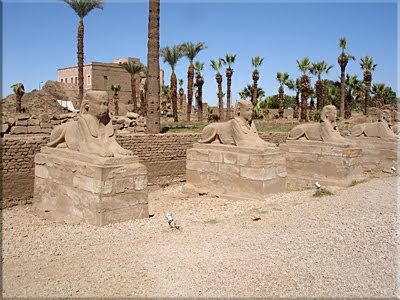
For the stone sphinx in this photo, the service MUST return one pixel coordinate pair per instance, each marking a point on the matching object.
(240, 131)
(93, 132)
(326, 130)
(380, 129)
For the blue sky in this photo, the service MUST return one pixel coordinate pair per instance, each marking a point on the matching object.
(39, 37)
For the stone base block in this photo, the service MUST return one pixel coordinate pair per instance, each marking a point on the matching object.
(75, 187)
(378, 155)
(236, 172)
(328, 163)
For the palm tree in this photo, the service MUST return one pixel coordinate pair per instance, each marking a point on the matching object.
(229, 60)
(19, 91)
(134, 68)
(304, 67)
(331, 94)
(116, 88)
(319, 68)
(216, 65)
(379, 91)
(352, 84)
(296, 88)
(143, 92)
(343, 59)
(82, 8)
(171, 55)
(181, 92)
(256, 62)
(198, 66)
(283, 79)
(191, 50)
(247, 92)
(368, 66)
(153, 65)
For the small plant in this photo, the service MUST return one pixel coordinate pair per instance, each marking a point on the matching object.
(355, 182)
(322, 192)
(212, 221)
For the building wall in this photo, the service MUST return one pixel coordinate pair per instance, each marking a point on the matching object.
(164, 155)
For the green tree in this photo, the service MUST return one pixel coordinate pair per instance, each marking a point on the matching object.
(368, 66)
(352, 84)
(153, 65)
(247, 92)
(283, 79)
(191, 50)
(82, 8)
(343, 59)
(378, 90)
(229, 60)
(181, 92)
(318, 69)
(198, 66)
(256, 62)
(304, 67)
(19, 91)
(134, 68)
(171, 55)
(116, 88)
(216, 65)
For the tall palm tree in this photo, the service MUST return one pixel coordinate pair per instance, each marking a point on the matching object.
(352, 84)
(134, 68)
(378, 90)
(318, 69)
(82, 8)
(198, 66)
(153, 65)
(171, 55)
(283, 79)
(229, 60)
(181, 92)
(296, 88)
(216, 65)
(256, 62)
(247, 92)
(304, 67)
(368, 66)
(343, 59)
(331, 95)
(116, 88)
(191, 50)
(19, 91)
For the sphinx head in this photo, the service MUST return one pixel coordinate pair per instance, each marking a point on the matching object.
(329, 113)
(244, 109)
(96, 103)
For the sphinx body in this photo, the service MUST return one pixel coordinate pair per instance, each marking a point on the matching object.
(93, 132)
(380, 129)
(240, 131)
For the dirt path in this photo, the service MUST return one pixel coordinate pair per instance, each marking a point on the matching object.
(342, 245)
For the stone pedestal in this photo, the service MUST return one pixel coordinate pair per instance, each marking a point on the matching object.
(75, 187)
(236, 172)
(378, 155)
(330, 164)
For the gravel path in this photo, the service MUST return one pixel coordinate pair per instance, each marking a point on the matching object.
(337, 246)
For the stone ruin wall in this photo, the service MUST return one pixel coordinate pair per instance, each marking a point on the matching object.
(164, 155)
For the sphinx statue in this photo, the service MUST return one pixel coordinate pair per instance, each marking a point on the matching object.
(93, 133)
(240, 131)
(380, 129)
(326, 130)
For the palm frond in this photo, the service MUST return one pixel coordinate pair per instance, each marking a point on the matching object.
(171, 55)
(83, 7)
(191, 50)
(256, 61)
(133, 67)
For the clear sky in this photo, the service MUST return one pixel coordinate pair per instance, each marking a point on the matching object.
(40, 37)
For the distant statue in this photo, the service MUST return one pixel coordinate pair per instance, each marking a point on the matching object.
(93, 132)
(381, 128)
(326, 130)
(240, 131)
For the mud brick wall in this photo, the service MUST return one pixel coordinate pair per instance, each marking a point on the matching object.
(164, 155)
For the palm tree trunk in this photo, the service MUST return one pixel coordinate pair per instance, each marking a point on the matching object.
(153, 64)
(80, 60)
(296, 106)
(133, 95)
(319, 89)
(181, 92)
(116, 108)
(190, 90)
(342, 90)
(174, 96)
(281, 97)
(347, 106)
(142, 104)
(255, 90)
(367, 81)
(199, 83)
(229, 73)
(18, 97)
(305, 87)
(220, 100)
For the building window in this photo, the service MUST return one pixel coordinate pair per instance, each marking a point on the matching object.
(62, 80)
(76, 79)
(88, 80)
(66, 80)
(105, 77)
(72, 79)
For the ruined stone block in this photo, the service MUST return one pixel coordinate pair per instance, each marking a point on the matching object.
(33, 122)
(34, 129)
(76, 187)
(19, 130)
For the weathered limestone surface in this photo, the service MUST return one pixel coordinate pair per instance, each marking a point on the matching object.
(331, 164)
(378, 155)
(236, 171)
(77, 187)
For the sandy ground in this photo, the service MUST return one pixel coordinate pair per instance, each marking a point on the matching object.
(343, 245)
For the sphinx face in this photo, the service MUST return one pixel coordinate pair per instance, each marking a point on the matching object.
(246, 112)
(98, 106)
